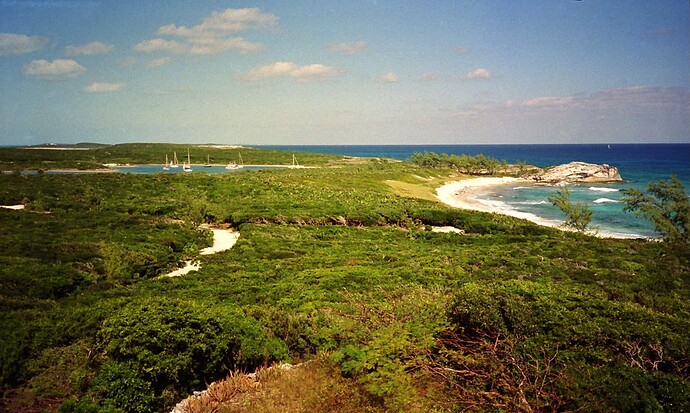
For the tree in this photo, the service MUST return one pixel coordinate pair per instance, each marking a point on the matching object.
(667, 206)
(577, 216)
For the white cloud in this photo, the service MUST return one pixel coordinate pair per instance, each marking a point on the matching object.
(389, 77)
(89, 49)
(293, 70)
(211, 36)
(103, 87)
(348, 48)
(161, 45)
(478, 74)
(55, 70)
(461, 50)
(12, 44)
(222, 23)
(159, 62)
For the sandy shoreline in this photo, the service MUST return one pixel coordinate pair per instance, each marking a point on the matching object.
(464, 194)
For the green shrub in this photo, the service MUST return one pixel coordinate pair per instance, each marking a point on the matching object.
(176, 346)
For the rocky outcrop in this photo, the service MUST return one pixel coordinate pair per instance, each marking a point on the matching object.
(578, 172)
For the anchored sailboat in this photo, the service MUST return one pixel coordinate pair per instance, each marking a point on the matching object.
(208, 161)
(187, 167)
(165, 165)
(174, 163)
(233, 165)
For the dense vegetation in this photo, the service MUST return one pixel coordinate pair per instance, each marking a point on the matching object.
(473, 165)
(332, 264)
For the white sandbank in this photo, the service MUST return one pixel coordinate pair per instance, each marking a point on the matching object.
(223, 239)
(464, 194)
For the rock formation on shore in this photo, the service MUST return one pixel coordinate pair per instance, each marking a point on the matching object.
(578, 172)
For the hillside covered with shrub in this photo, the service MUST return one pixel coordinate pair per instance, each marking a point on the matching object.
(334, 265)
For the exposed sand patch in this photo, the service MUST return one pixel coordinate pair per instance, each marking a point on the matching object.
(223, 239)
(447, 230)
(14, 207)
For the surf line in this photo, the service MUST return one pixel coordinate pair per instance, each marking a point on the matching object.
(223, 239)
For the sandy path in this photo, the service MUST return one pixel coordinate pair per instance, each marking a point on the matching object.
(223, 239)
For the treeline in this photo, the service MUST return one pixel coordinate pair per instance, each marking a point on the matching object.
(472, 165)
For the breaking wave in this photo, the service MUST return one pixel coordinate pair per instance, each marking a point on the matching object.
(604, 200)
(602, 189)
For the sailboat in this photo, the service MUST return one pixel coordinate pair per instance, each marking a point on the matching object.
(208, 161)
(187, 167)
(165, 165)
(174, 163)
(233, 165)
(295, 164)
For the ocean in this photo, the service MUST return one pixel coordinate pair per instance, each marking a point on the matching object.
(638, 164)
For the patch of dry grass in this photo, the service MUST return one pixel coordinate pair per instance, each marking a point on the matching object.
(420, 187)
(315, 386)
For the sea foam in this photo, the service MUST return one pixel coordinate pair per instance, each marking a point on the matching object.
(604, 200)
(601, 189)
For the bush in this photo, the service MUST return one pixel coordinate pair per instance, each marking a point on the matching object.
(176, 346)
(667, 207)
(577, 216)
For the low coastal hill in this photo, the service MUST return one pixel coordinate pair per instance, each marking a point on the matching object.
(96, 156)
(341, 269)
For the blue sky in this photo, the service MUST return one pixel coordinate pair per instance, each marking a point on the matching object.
(351, 72)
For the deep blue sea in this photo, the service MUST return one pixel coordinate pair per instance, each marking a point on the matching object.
(638, 164)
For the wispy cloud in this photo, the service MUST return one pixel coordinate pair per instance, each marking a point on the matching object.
(159, 62)
(210, 45)
(662, 31)
(89, 49)
(160, 45)
(639, 98)
(348, 48)
(104, 87)
(479, 73)
(291, 70)
(127, 61)
(56, 70)
(429, 76)
(461, 50)
(13, 44)
(389, 77)
(213, 34)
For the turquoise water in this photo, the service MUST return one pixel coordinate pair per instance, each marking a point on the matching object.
(604, 200)
(154, 169)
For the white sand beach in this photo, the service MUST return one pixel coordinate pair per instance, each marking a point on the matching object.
(464, 194)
